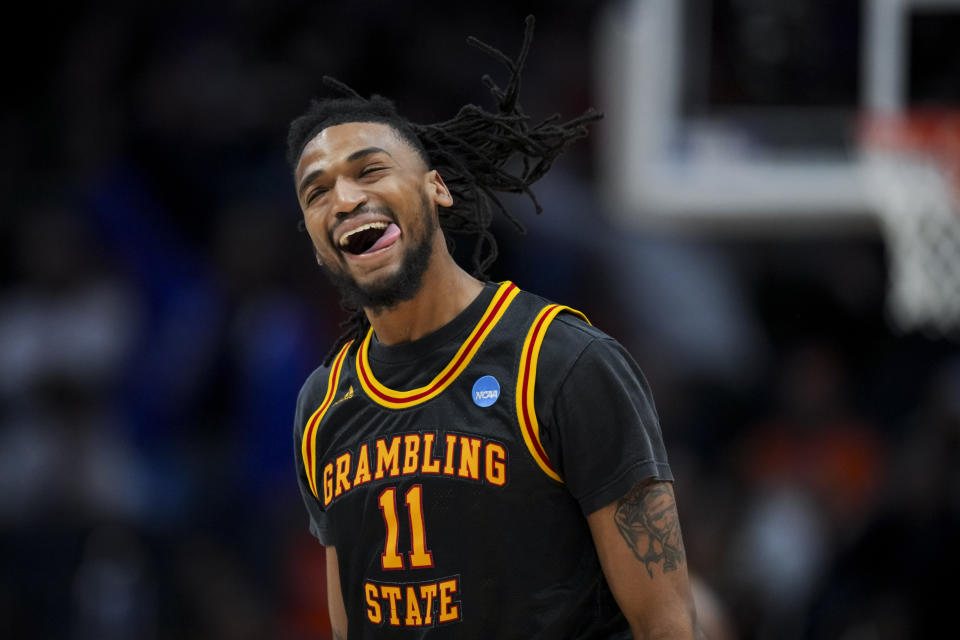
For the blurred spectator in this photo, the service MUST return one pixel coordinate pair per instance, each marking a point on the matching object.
(891, 580)
(816, 441)
(114, 591)
(811, 473)
(66, 332)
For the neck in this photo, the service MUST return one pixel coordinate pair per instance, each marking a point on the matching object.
(446, 291)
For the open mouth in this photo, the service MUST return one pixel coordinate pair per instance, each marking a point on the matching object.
(369, 238)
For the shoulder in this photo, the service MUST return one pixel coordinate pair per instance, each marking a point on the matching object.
(316, 382)
(571, 331)
(568, 324)
(569, 344)
(570, 340)
(311, 394)
(315, 386)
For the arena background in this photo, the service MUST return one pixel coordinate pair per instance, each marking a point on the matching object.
(159, 310)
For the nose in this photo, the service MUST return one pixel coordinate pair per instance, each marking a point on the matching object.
(347, 196)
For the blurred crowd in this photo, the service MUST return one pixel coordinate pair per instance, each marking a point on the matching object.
(159, 309)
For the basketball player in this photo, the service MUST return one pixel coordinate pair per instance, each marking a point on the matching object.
(479, 462)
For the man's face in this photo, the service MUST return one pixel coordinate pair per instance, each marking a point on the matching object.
(369, 205)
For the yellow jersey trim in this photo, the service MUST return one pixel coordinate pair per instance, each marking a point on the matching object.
(309, 443)
(527, 381)
(392, 399)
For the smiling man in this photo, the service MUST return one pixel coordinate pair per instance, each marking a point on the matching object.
(479, 462)
(383, 242)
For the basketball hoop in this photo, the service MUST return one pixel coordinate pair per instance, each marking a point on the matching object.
(912, 172)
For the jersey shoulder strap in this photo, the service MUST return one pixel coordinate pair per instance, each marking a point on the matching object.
(308, 445)
(527, 382)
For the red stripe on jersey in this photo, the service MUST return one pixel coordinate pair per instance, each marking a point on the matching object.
(452, 370)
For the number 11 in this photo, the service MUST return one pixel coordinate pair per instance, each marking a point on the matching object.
(420, 556)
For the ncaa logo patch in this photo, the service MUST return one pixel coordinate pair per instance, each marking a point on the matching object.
(485, 392)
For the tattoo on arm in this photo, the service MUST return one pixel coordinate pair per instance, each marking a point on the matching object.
(647, 519)
(339, 636)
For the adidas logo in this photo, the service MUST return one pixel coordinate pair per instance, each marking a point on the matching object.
(346, 396)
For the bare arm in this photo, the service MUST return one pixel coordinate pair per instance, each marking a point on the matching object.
(641, 551)
(338, 612)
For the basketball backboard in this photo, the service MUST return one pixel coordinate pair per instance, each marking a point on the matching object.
(747, 110)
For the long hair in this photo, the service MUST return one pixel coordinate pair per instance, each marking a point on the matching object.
(479, 153)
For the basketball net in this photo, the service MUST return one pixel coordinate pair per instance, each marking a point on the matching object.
(913, 181)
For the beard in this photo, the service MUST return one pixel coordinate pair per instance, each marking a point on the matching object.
(401, 286)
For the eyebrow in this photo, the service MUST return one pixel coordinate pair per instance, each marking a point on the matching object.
(356, 155)
(353, 157)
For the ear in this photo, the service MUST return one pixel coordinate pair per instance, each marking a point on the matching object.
(437, 189)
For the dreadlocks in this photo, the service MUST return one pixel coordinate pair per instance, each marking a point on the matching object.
(479, 153)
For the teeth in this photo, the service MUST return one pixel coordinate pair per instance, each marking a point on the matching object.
(345, 238)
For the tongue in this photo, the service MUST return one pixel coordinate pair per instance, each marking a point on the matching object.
(389, 236)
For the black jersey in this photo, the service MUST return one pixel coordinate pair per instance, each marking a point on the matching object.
(453, 473)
